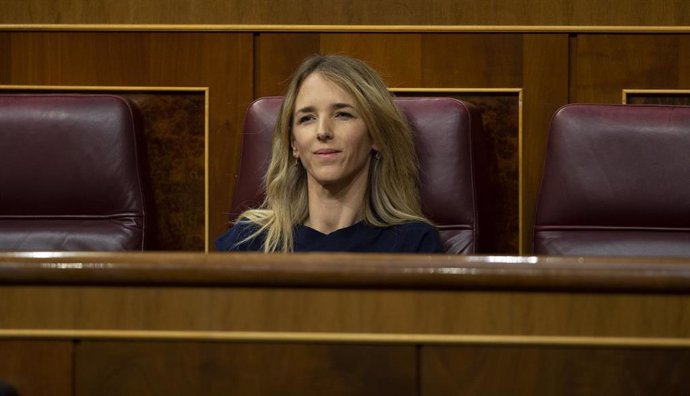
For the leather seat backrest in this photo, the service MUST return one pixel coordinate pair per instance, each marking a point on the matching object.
(616, 182)
(71, 173)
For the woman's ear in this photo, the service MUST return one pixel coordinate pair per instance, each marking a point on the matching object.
(375, 147)
(295, 153)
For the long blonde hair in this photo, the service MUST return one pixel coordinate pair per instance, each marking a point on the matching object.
(391, 197)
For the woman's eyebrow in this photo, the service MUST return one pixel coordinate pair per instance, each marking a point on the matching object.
(337, 106)
(334, 106)
(307, 109)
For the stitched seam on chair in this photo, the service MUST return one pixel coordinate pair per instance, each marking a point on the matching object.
(610, 228)
(68, 217)
(453, 227)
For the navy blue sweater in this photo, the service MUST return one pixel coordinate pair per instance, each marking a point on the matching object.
(413, 237)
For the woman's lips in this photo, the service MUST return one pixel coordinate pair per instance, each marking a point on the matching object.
(326, 153)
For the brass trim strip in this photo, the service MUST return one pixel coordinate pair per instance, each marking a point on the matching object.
(457, 90)
(348, 338)
(101, 88)
(348, 28)
(519, 92)
(521, 179)
(97, 88)
(207, 188)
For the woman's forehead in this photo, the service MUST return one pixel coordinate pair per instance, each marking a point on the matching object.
(318, 87)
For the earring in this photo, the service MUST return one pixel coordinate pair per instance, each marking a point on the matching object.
(377, 155)
(296, 164)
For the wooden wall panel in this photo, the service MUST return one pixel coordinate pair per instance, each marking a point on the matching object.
(546, 71)
(604, 65)
(37, 368)
(384, 12)
(124, 368)
(684, 62)
(63, 58)
(496, 155)
(277, 55)
(221, 62)
(521, 370)
(4, 60)
(472, 60)
(397, 57)
(174, 129)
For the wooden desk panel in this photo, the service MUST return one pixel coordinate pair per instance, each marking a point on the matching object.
(346, 324)
(548, 370)
(345, 294)
(145, 368)
(36, 368)
(393, 312)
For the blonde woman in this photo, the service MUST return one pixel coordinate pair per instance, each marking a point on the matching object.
(343, 172)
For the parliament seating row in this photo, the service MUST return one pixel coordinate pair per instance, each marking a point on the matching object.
(615, 177)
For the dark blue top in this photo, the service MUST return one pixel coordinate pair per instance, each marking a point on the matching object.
(413, 237)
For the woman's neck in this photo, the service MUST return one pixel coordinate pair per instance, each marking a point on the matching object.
(331, 209)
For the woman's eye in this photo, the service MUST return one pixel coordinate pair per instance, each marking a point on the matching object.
(343, 114)
(305, 118)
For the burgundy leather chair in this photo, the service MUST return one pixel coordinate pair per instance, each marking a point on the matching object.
(71, 174)
(616, 182)
(442, 130)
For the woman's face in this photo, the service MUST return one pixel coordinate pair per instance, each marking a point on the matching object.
(329, 135)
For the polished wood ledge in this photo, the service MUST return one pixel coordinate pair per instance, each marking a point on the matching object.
(346, 298)
(343, 324)
(341, 270)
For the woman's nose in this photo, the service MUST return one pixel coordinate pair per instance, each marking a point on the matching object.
(324, 133)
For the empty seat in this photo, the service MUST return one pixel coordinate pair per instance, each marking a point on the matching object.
(616, 182)
(72, 174)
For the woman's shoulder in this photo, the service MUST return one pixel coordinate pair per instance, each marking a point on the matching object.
(240, 238)
(417, 236)
(414, 228)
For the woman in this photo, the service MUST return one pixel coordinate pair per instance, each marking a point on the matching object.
(343, 172)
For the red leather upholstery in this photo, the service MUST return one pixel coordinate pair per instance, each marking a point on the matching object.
(442, 130)
(616, 182)
(70, 174)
